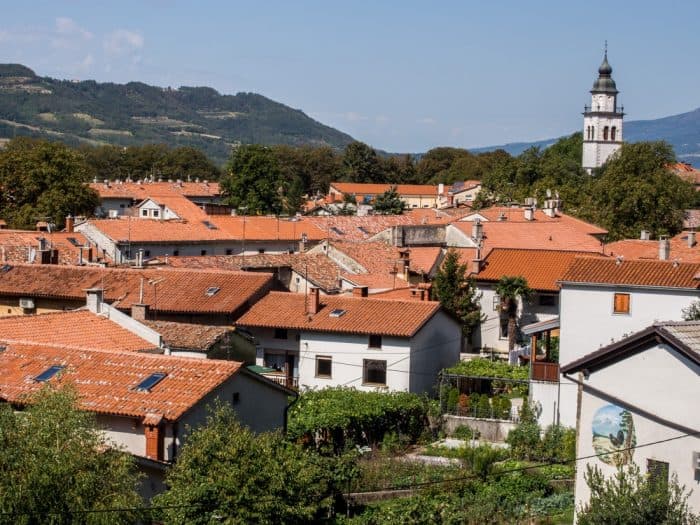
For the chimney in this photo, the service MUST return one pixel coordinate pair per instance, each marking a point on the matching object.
(441, 189)
(549, 212)
(476, 262)
(691, 239)
(302, 243)
(664, 248)
(477, 230)
(139, 312)
(95, 298)
(529, 213)
(644, 235)
(312, 302)
(139, 258)
(70, 224)
(360, 291)
(80, 256)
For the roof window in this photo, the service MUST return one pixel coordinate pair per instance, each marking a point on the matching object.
(6, 268)
(210, 225)
(212, 291)
(147, 384)
(49, 373)
(74, 241)
(338, 312)
(337, 231)
(363, 230)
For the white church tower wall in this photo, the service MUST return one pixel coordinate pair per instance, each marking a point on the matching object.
(602, 120)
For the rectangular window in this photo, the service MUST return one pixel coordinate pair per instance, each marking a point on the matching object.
(496, 303)
(547, 300)
(281, 333)
(155, 213)
(144, 213)
(261, 250)
(373, 372)
(203, 252)
(236, 398)
(147, 253)
(621, 303)
(657, 470)
(176, 252)
(375, 341)
(229, 251)
(324, 366)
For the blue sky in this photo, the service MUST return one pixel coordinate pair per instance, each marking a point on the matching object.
(401, 76)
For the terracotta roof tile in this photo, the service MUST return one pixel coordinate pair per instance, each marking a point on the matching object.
(176, 290)
(79, 330)
(639, 249)
(541, 268)
(666, 274)
(106, 381)
(187, 335)
(378, 189)
(133, 190)
(21, 246)
(362, 315)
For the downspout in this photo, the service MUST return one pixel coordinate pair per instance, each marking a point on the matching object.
(286, 412)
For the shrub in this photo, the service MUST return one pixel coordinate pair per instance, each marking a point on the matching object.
(558, 443)
(465, 432)
(339, 417)
(524, 440)
(483, 407)
(480, 460)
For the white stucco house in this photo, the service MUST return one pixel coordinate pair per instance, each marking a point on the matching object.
(316, 341)
(602, 300)
(638, 403)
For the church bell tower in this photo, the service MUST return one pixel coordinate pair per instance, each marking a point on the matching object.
(602, 120)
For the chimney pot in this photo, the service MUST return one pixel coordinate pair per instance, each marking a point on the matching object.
(644, 235)
(691, 239)
(312, 301)
(529, 213)
(360, 291)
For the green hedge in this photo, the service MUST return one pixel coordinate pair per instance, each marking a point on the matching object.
(482, 367)
(342, 416)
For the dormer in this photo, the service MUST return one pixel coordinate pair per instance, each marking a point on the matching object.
(150, 209)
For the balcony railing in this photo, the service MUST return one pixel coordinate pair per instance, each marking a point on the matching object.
(289, 382)
(542, 371)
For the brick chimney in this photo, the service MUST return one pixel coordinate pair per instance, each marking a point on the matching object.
(312, 301)
(360, 291)
(70, 224)
(139, 312)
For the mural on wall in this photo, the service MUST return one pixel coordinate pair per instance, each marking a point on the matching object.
(613, 435)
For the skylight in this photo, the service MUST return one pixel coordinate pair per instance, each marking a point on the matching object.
(147, 384)
(363, 230)
(6, 268)
(338, 312)
(212, 291)
(210, 225)
(49, 373)
(337, 231)
(74, 241)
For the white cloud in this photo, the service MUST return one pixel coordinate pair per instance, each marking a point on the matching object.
(68, 26)
(381, 119)
(123, 41)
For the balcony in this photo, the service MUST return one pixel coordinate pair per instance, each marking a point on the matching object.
(543, 371)
(281, 379)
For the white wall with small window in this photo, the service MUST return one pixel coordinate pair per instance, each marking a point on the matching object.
(648, 399)
(592, 316)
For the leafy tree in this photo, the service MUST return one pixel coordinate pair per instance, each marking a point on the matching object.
(399, 170)
(228, 474)
(41, 180)
(636, 191)
(630, 498)
(692, 312)
(58, 468)
(361, 164)
(457, 293)
(511, 291)
(254, 180)
(389, 203)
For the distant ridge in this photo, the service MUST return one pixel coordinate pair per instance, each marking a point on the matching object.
(89, 112)
(681, 131)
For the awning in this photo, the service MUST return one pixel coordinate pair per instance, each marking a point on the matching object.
(541, 326)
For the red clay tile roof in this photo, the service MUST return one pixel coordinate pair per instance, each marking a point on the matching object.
(199, 337)
(138, 192)
(78, 330)
(638, 249)
(125, 229)
(686, 172)
(106, 381)
(378, 189)
(666, 274)
(317, 268)
(362, 315)
(176, 290)
(17, 246)
(541, 268)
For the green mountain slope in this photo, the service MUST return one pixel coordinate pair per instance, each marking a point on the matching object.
(136, 113)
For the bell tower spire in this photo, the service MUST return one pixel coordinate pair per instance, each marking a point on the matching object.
(602, 120)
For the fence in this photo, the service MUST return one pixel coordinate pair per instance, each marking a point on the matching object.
(481, 397)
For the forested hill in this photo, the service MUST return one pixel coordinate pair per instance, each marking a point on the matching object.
(681, 131)
(136, 113)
